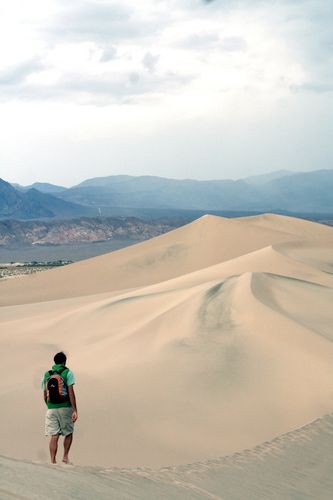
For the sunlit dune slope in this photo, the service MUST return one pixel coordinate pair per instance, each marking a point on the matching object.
(291, 225)
(225, 351)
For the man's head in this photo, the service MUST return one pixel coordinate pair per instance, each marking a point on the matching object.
(60, 358)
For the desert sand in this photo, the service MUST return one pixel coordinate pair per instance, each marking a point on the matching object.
(296, 465)
(197, 344)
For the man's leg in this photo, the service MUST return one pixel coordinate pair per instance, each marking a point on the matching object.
(54, 447)
(67, 444)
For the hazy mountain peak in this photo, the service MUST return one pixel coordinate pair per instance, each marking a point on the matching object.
(262, 178)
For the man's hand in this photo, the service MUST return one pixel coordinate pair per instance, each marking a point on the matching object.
(73, 402)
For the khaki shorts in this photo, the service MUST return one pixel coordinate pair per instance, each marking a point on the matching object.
(59, 421)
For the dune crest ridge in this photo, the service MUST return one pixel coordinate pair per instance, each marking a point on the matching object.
(196, 344)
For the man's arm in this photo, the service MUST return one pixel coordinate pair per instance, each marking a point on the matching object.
(72, 400)
(45, 395)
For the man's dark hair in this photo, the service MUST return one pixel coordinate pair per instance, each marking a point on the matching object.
(60, 358)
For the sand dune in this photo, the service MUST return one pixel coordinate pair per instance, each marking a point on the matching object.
(295, 465)
(301, 228)
(194, 345)
(206, 241)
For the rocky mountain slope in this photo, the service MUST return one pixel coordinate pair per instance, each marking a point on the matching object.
(82, 230)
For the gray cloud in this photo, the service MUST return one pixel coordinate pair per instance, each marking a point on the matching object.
(304, 25)
(16, 74)
(93, 19)
(133, 84)
(307, 29)
(99, 22)
(199, 41)
(149, 61)
(205, 41)
(234, 44)
(109, 53)
(99, 91)
(317, 88)
(134, 78)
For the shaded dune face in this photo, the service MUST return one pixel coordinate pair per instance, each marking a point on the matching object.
(205, 341)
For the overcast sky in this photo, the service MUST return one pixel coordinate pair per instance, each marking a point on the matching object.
(175, 88)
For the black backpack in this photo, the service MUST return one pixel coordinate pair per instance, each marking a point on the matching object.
(56, 386)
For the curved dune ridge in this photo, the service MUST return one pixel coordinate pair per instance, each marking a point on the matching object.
(196, 344)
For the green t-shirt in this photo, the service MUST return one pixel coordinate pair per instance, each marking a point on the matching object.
(69, 379)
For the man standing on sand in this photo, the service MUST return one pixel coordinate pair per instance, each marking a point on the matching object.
(60, 399)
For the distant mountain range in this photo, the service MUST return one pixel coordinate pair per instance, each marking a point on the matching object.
(281, 191)
(261, 179)
(35, 204)
(302, 193)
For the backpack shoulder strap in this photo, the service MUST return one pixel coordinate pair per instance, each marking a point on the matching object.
(59, 371)
(64, 372)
